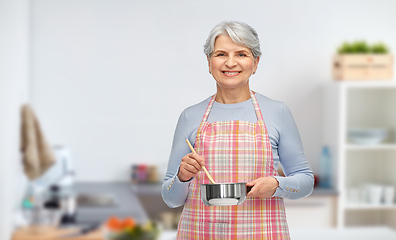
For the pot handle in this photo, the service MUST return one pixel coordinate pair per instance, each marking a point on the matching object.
(248, 188)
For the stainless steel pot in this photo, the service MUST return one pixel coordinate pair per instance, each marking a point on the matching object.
(224, 194)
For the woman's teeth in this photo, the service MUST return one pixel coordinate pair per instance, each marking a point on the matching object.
(231, 73)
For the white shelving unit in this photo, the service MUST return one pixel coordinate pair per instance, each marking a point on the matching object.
(361, 104)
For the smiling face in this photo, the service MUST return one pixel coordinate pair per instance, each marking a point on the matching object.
(230, 64)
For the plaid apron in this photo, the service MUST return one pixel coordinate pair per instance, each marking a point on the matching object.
(234, 151)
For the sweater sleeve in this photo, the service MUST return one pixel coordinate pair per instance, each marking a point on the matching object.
(299, 180)
(174, 192)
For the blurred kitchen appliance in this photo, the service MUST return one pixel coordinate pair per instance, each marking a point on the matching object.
(62, 172)
(59, 182)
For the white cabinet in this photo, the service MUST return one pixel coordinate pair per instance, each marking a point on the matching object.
(366, 105)
(316, 211)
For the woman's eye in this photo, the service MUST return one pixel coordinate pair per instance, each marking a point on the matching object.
(241, 55)
(221, 55)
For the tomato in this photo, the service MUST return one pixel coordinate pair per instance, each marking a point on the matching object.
(128, 223)
(114, 223)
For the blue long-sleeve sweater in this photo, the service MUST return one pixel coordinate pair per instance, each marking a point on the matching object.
(287, 148)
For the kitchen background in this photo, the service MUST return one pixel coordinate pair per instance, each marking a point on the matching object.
(108, 79)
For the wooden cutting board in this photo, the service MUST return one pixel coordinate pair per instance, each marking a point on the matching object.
(54, 234)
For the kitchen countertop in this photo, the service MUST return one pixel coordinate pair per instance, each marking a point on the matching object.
(324, 192)
(126, 205)
(54, 234)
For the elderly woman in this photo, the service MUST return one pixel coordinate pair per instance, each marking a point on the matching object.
(239, 136)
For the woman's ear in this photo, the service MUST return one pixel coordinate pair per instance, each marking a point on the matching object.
(209, 64)
(256, 62)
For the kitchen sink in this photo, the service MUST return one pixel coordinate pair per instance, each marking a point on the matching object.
(96, 200)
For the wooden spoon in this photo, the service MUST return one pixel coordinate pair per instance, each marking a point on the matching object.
(203, 167)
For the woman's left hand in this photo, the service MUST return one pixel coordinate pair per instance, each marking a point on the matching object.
(263, 187)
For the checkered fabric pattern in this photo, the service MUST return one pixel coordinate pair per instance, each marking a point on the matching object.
(234, 151)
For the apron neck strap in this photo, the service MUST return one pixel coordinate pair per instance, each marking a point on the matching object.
(256, 107)
(254, 101)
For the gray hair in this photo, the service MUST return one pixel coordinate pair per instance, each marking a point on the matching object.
(240, 33)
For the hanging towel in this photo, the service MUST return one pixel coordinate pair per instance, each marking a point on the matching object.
(37, 153)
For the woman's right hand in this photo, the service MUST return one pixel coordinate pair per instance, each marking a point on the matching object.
(190, 165)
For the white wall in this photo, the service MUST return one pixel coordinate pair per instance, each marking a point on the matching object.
(13, 91)
(110, 78)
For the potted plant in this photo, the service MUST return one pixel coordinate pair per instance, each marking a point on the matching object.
(360, 61)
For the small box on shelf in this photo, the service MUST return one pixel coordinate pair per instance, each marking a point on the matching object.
(144, 174)
(357, 67)
(359, 60)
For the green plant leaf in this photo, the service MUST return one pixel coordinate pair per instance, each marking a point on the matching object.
(379, 48)
(361, 47)
(345, 48)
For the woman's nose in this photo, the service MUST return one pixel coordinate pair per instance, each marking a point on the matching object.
(231, 62)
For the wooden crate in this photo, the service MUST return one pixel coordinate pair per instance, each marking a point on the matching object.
(362, 67)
